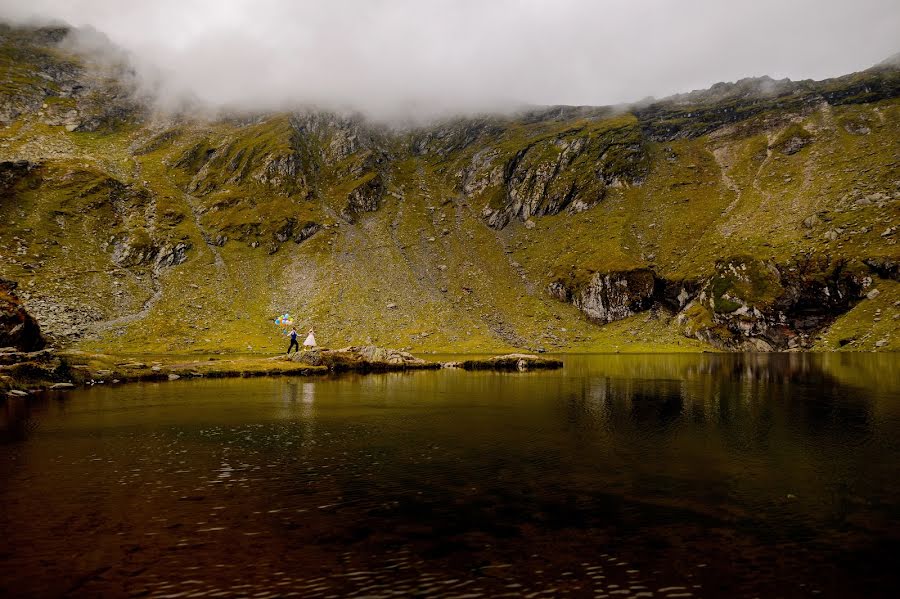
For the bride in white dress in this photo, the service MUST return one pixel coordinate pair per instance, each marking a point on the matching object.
(310, 340)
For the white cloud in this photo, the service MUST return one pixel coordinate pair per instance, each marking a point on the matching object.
(398, 57)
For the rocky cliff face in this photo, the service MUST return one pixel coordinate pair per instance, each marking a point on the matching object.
(760, 214)
(364, 197)
(610, 296)
(18, 328)
(569, 170)
(61, 89)
(755, 304)
(746, 304)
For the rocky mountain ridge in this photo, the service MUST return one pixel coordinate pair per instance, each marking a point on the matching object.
(755, 215)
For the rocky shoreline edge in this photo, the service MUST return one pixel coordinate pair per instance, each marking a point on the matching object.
(22, 373)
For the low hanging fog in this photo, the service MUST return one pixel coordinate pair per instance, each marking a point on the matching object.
(421, 58)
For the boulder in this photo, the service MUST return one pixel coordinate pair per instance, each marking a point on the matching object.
(18, 357)
(17, 327)
(367, 358)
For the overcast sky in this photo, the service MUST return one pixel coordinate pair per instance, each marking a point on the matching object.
(391, 57)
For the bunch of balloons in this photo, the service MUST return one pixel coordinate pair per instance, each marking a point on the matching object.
(285, 321)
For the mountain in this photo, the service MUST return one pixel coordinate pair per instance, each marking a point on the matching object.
(759, 214)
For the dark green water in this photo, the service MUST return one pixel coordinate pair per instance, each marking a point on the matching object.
(619, 476)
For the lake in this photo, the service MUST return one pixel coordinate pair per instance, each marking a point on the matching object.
(618, 476)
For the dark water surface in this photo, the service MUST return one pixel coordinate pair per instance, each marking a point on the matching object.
(619, 476)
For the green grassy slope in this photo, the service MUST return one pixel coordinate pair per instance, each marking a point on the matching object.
(92, 228)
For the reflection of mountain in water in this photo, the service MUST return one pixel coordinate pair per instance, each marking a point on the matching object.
(731, 390)
(798, 437)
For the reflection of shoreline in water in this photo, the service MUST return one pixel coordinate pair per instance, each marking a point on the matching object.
(871, 371)
(723, 386)
(653, 386)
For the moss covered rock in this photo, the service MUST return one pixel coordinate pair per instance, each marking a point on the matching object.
(368, 358)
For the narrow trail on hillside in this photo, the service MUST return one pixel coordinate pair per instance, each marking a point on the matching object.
(723, 160)
(740, 220)
(395, 239)
(193, 204)
(766, 196)
(700, 234)
(155, 270)
(809, 171)
(105, 325)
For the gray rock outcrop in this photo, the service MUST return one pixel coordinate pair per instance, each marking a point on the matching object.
(611, 296)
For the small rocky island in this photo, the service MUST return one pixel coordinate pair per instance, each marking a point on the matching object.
(509, 362)
(379, 359)
(367, 358)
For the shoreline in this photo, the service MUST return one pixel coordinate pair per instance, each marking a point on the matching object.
(23, 373)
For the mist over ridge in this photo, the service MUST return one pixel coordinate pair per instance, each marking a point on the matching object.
(402, 59)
